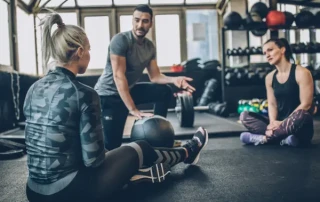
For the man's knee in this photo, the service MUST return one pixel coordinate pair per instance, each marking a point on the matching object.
(166, 90)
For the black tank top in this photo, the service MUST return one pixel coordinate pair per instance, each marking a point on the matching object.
(286, 94)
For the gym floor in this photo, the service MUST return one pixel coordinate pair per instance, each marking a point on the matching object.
(227, 171)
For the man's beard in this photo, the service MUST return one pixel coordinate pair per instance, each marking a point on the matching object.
(141, 36)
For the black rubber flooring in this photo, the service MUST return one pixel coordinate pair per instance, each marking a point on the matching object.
(215, 125)
(227, 171)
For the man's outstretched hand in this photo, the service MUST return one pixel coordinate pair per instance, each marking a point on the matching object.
(182, 83)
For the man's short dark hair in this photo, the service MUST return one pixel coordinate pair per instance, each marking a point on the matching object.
(144, 8)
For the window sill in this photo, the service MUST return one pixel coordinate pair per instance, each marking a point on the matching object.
(95, 72)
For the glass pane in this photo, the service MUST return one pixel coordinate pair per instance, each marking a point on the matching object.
(4, 34)
(200, 1)
(251, 2)
(292, 36)
(26, 43)
(304, 38)
(166, 1)
(255, 41)
(130, 2)
(202, 34)
(69, 3)
(167, 42)
(26, 1)
(99, 41)
(126, 25)
(291, 8)
(68, 18)
(94, 2)
(54, 3)
(318, 40)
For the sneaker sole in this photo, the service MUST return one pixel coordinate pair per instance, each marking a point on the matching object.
(205, 143)
(154, 174)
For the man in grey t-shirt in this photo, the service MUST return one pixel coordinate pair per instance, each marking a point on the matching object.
(129, 54)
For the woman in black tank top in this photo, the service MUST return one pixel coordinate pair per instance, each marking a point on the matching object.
(290, 101)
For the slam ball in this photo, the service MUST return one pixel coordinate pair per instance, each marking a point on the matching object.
(275, 18)
(156, 130)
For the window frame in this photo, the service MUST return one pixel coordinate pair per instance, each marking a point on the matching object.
(114, 13)
(5, 66)
(174, 10)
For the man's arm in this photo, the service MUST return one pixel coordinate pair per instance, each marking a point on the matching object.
(306, 88)
(118, 64)
(119, 46)
(272, 103)
(155, 76)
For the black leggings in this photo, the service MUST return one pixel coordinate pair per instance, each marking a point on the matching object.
(114, 111)
(299, 124)
(118, 167)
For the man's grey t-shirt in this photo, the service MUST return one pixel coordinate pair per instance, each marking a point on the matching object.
(138, 57)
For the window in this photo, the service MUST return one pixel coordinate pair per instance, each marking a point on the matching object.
(99, 41)
(4, 34)
(166, 1)
(317, 40)
(26, 1)
(200, 1)
(56, 3)
(130, 2)
(304, 38)
(202, 34)
(126, 25)
(68, 18)
(94, 2)
(292, 33)
(26, 43)
(167, 29)
(252, 2)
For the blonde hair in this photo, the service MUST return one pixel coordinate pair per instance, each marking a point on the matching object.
(64, 41)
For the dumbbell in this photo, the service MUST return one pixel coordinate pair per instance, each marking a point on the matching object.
(231, 78)
(185, 110)
(229, 52)
(259, 50)
(311, 48)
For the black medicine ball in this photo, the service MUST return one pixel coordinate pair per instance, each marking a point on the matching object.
(304, 19)
(317, 19)
(260, 8)
(289, 19)
(233, 20)
(156, 130)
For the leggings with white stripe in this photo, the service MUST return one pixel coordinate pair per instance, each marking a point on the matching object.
(118, 167)
(122, 163)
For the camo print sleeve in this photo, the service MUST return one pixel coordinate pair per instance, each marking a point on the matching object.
(91, 134)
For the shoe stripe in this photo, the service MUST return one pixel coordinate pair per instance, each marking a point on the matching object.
(158, 172)
(167, 157)
(160, 156)
(174, 158)
(162, 171)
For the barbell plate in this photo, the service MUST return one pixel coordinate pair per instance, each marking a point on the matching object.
(178, 108)
(186, 112)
